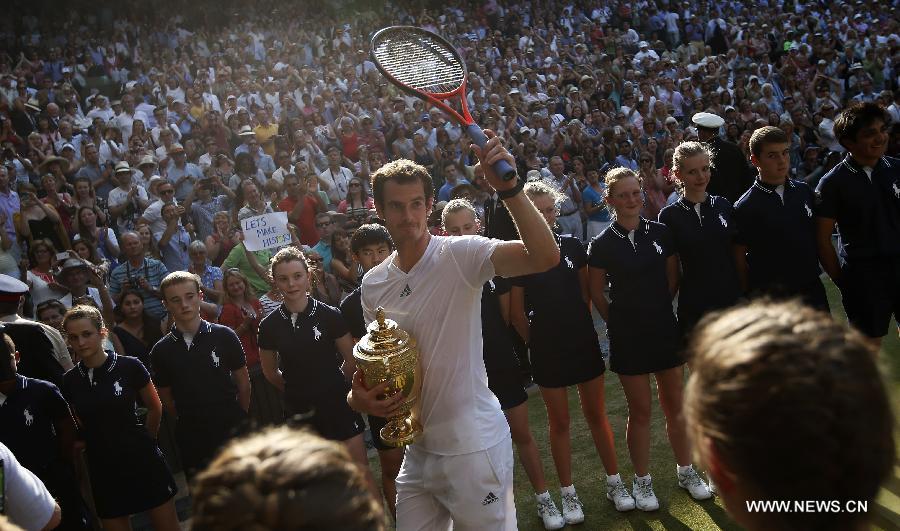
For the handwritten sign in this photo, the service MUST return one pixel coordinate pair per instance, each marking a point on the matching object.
(268, 231)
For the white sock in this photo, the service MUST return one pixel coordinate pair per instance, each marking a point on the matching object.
(568, 490)
(684, 469)
(642, 478)
(615, 478)
(543, 497)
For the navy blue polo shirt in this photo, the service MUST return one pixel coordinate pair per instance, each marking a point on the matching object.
(499, 351)
(636, 270)
(351, 310)
(104, 400)
(780, 234)
(308, 358)
(550, 294)
(27, 418)
(200, 377)
(703, 234)
(867, 210)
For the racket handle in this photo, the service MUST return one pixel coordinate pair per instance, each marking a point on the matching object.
(502, 168)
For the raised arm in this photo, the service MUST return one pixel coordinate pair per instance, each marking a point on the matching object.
(537, 251)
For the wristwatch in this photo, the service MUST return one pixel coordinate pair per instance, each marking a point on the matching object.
(506, 194)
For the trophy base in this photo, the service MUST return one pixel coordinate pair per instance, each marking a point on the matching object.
(400, 431)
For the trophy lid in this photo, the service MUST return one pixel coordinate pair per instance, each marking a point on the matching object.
(384, 338)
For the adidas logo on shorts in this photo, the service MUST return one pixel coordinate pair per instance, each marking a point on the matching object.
(489, 499)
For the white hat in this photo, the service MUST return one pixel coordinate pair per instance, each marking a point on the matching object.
(123, 167)
(707, 120)
(246, 131)
(643, 44)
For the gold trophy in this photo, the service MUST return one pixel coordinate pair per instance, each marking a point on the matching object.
(389, 353)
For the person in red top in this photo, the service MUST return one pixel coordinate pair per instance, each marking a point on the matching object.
(302, 204)
(242, 312)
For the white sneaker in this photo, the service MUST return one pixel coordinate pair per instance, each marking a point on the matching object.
(691, 482)
(550, 514)
(572, 509)
(644, 497)
(619, 495)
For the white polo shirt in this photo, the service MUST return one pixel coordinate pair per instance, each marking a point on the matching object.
(439, 303)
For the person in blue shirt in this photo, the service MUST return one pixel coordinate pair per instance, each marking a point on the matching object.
(775, 243)
(127, 470)
(552, 314)
(702, 228)
(37, 426)
(201, 372)
(451, 180)
(862, 195)
(636, 258)
(594, 202)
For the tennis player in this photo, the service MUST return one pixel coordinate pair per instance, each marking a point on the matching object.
(459, 473)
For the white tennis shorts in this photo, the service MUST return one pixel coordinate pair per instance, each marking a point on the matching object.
(460, 492)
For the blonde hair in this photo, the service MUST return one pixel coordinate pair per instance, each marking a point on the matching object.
(538, 188)
(177, 277)
(249, 294)
(288, 254)
(684, 151)
(83, 311)
(777, 390)
(454, 206)
(615, 175)
(283, 478)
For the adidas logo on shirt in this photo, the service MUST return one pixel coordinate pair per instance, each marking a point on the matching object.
(406, 292)
(490, 498)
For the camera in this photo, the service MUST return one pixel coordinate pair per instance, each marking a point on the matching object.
(134, 283)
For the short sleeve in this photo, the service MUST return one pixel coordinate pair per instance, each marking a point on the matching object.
(826, 204)
(741, 237)
(502, 285)
(233, 351)
(265, 338)
(56, 405)
(115, 281)
(667, 241)
(162, 375)
(575, 251)
(351, 310)
(29, 504)
(139, 374)
(337, 325)
(597, 255)
(473, 256)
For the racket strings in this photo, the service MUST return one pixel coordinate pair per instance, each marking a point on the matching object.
(420, 64)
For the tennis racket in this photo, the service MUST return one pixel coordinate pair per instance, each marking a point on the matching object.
(428, 67)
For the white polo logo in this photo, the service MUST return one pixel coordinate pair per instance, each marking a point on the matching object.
(29, 418)
(722, 221)
(117, 388)
(215, 359)
(492, 285)
(808, 210)
(657, 247)
(316, 333)
(569, 263)
(896, 189)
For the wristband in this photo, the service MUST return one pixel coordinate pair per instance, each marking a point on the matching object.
(506, 194)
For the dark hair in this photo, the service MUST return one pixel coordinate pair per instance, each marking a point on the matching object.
(766, 135)
(791, 402)
(150, 324)
(856, 117)
(401, 171)
(284, 478)
(335, 252)
(370, 234)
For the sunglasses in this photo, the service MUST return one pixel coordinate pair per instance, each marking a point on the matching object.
(322, 225)
(166, 192)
